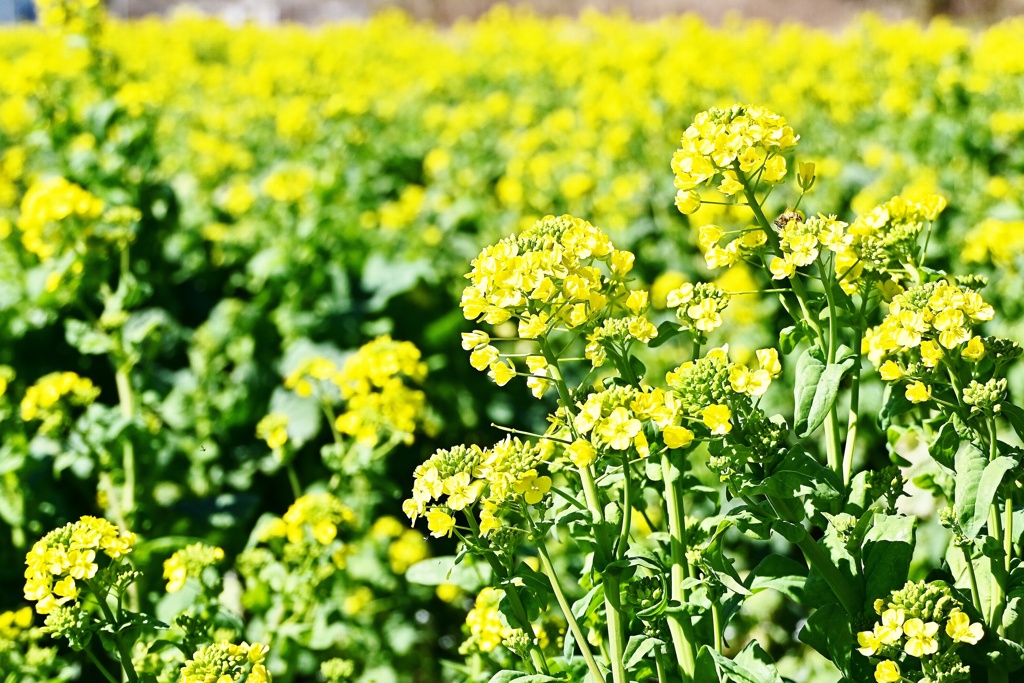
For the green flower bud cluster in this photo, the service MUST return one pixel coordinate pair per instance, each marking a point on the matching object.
(643, 592)
(338, 670)
(985, 398)
(949, 518)
(519, 643)
(701, 383)
(926, 601)
(945, 667)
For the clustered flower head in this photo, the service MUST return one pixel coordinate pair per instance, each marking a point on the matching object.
(55, 213)
(750, 242)
(617, 335)
(732, 143)
(373, 383)
(42, 399)
(613, 420)
(698, 307)
(61, 560)
(801, 242)
(926, 326)
(484, 622)
(562, 272)
(188, 562)
(289, 184)
(465, 476)
(314, 515)
(273, 429)
(879, 243)
(225, 662)
(919, 630)
(997, 241)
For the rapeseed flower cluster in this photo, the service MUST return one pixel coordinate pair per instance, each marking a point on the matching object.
(749, 244)
(466, 476)
(614, 419)
(801, 241)
(372, 383)
(22, 648)
(735, 143)
(59, 563)
(927, 326)
(225, 662)
(881, 243)
(405, 546)
(71, 16)
(995, 241)
(189, 562)
(55, 215)
(547, 277)
(42, 400)
(487, 629)
(698, 307)
(921, 626)
(616, 335)
(315, 515)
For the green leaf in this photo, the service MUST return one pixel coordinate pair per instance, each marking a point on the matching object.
(799, 474)
(437, 570)
(1015, 416)
(829, 632)
(977, 481)
(988, 486)
(781, 573)
(816, 388)
(587, 605)
(886, 553)
(943, 449)
(86, 338)
(790, 337)
(638, 648)
(666, 331)
(752, 665)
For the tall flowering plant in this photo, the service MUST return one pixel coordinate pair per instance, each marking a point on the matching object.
(621, 471)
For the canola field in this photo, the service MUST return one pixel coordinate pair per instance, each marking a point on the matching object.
(231, 264)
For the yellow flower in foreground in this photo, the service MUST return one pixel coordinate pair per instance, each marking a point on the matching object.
(581, 453)
(717, 418)
(440, 523)
(677, 437)
(961, 630)
(890, 371)
(619, 429)
(887, 672)
(918, 393)
(921, 639)
(869, 643)
(975, 350)
(502, 373)
(532, 487)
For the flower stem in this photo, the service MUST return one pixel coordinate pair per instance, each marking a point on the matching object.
(680, 627)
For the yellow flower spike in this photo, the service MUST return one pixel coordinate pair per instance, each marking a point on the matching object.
(888, 672)
(918, 393)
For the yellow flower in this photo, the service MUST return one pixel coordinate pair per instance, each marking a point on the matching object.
(483, 356)
(440, 523)
(677, 437)
(502, 373)
(887, 672)
(768, 359)
(532, 487)
(869, 643)
(931, 353)
(581, 453)
(918, 393)
(890, 371)
(921, 639)
(687, 201)
(636, 302)
(716, 418)
(975, 350)
(961, 630)
(619, 429)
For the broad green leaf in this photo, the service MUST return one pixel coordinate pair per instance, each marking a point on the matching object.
(988, 486)
(437, 570)
(886, 553)
(829, 632)
(638, 648)
(666, 331)
(781, 573)
(972, 503)
(799, 474)
(943, 449)
(816, 388)
(752, 665)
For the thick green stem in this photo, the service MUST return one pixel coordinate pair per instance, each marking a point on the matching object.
(616, 629)
(716, 622)
(995, 524)
(975, 593)
(549, 571)
(852, 420)
(833, 444)
(680, 627)
(127, 403)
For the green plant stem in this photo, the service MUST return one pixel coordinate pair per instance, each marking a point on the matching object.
(833, 445)
(680, 627)
(975, 593)
(1008, 533)
(99, 665)
(659, 664)
(293, 479)
(549, 571)
(996, 530)
(852, 420)
(627, 508)
(716, 621)
(819, 559)
(124, 654)
(126, 399)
